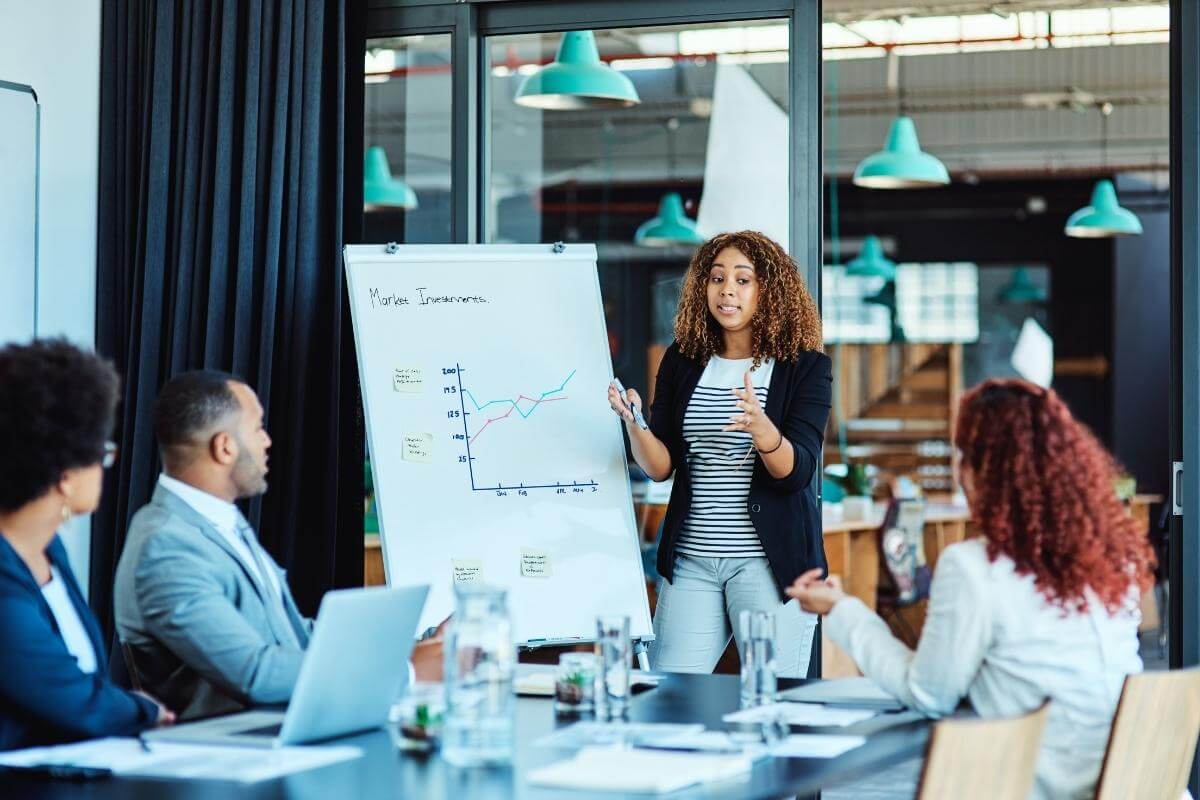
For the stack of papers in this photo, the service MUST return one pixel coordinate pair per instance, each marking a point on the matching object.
(815, 745)
(182, 761)
(844, 692)
(620, 769)
(808, 714)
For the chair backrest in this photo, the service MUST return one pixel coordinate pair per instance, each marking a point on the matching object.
(135, 680)
(906, 576)
(1153, 736)
(971, 757)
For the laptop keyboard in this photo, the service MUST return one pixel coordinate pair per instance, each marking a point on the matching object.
(269, 730)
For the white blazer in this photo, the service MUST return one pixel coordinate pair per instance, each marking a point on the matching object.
(992, 637)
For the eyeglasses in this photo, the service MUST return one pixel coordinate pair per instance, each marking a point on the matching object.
(110, 455)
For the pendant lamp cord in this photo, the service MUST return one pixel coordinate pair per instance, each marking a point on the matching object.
(1106, 109)
(835, 235)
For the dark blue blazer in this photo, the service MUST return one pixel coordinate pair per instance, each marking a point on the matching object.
(44, 697)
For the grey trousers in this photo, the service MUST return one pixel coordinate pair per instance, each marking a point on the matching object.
(698, 612)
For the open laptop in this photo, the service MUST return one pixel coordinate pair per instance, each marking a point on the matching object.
(355, 668)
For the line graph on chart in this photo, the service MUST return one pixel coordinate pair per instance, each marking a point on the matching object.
(507, 438)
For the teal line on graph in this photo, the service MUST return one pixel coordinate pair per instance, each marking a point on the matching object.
(514, 403)
(500, 487)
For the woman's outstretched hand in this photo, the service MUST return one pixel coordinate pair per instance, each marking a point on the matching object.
(751, 418)
(817, 595)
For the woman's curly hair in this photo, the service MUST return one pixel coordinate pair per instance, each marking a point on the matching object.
(787, 321)
(57, 406)
(1043, 496)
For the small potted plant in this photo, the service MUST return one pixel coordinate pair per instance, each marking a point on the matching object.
(419, 717)
(575, 683)
(857, 483)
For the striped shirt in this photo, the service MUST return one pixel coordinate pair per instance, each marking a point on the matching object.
(718, 523)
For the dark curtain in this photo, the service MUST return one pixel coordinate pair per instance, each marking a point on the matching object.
(220, 230)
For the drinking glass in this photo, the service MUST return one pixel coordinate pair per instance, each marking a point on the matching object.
(758, 658)
(613, 655)
(479, 667)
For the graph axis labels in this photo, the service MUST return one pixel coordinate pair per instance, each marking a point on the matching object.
(468, 437)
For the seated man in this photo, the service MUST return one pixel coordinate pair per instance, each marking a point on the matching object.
(205, 610)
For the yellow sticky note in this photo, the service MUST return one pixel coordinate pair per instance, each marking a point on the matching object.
(408, 380)
(535, 563)
(467, 571)
(418, 447)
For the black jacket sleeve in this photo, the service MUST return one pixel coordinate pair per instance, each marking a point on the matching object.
(663, 407)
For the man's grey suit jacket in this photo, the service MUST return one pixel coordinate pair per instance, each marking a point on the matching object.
(202, 638)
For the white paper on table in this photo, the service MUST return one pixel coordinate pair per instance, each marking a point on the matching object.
(1033, 355)
(811, 714)
(621, 769)
(184, 761)
(113, 754)
(591, 732)
(814, 745)
(846, 692)
(537, 684)
(707, 741)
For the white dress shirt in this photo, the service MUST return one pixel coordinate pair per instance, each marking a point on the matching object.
(224, 516)
(74, 635)
(992, 637)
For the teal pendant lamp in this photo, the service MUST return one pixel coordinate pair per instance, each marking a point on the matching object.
(1104, 217)
(871, 262)
(1021, 289)
(380, 189)
(886, 296)
(671, 226)
(901, 164)
(577, 79)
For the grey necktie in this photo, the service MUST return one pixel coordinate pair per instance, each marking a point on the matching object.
(273, 600)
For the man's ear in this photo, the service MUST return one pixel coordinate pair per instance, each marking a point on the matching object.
(223, 448)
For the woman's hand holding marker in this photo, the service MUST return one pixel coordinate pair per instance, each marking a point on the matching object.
(626, 403)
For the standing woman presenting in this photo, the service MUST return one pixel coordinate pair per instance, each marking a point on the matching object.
(739, 412)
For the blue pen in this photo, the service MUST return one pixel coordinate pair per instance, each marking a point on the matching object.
(637, 412)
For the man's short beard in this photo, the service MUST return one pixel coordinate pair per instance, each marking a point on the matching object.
(246, 477)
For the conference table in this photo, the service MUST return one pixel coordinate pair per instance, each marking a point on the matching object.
(385, 772)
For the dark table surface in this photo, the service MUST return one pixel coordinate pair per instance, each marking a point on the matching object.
(384, 772)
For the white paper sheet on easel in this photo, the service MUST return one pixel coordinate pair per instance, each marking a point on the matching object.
(1033, 356)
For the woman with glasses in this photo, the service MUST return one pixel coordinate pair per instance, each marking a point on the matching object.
(57, 407)
(1043, 604)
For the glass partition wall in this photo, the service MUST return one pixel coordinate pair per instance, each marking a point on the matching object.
(713, 125)
(699, 146)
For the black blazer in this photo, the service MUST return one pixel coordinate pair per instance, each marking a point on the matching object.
(44, 697)
(784, 510)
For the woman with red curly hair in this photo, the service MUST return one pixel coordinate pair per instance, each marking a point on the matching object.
(739, 412)
(1042, 604)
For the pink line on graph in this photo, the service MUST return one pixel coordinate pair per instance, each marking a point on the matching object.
(505, 415)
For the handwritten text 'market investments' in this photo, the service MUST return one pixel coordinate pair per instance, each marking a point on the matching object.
(424, 298)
